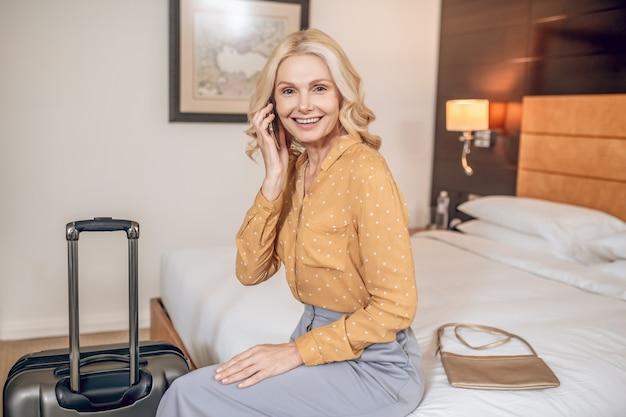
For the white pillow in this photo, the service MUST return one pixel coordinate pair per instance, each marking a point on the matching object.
(568, 228)
(616, 268)
(504, 235)
(609, 248)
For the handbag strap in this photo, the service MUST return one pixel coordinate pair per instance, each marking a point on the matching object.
(481, 328)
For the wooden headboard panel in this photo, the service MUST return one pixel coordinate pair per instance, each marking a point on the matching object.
(573, 150)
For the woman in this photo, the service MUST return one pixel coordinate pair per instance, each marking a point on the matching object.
(330, 212)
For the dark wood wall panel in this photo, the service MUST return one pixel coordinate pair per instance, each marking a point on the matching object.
(504, 50)
(460, 17)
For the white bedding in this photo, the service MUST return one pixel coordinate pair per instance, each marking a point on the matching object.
(580, 333)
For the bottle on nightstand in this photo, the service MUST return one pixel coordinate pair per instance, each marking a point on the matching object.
(441, 212)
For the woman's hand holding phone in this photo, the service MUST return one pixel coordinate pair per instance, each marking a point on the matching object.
(275, 156)
(267, 126)
(274, 129)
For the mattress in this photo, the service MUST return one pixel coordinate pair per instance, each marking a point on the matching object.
(573, 315)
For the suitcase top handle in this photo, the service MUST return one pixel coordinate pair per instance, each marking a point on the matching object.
(102, 224)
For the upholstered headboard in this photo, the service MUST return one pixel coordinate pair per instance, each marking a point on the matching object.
(573, 150)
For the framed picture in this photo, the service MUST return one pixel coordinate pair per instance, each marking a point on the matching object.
(218, 48)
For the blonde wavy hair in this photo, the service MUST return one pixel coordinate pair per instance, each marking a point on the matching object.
(354, 115)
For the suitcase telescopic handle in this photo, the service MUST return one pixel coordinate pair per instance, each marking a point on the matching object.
(102, 224)
(72, 233)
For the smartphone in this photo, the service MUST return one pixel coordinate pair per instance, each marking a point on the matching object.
(274, 127)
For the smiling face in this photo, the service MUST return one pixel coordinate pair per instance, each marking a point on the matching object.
(307, 100)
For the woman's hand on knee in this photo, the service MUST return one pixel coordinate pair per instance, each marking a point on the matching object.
(258, 363)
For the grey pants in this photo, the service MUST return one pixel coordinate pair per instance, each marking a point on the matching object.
(386, 381)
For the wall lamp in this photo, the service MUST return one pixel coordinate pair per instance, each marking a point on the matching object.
(469, 116)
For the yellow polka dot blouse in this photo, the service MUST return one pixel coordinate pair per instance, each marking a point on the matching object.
(345, 246)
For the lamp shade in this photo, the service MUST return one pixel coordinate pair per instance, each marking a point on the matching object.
(467, 115)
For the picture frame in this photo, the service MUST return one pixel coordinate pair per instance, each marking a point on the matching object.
(217, 47)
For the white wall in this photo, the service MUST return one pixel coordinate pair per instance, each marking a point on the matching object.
(84, 133)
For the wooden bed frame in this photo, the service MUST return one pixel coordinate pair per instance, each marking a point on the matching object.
(161, 327)
(572, 150)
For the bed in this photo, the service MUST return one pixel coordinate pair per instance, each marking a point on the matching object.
(548, 264)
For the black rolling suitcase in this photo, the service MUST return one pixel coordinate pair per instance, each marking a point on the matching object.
(109, 380)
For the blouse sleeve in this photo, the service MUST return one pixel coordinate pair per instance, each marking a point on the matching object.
(256, 258)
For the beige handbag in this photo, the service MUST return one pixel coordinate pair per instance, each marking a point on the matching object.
(508, 372)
